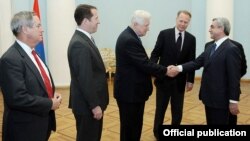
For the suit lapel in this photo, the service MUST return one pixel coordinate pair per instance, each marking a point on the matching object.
(216, 53)
(92, 45)
(31, 65)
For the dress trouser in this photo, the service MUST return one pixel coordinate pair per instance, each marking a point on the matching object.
(163, 96)
(88, 128)
(215, 116)
(131, 120)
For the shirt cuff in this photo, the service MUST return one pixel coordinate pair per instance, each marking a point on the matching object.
(233, 101)
(180, 69)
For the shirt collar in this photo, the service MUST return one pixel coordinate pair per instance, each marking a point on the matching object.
(220, 41)
(177, 32)
(84, 32)
(25, 47)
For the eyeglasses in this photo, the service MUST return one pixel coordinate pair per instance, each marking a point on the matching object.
(37, 25)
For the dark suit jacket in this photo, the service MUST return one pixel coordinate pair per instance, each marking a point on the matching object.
(166, 53)
(133, 69)
(221, 75)
(88, 87)
(242, 53)
(27, 108)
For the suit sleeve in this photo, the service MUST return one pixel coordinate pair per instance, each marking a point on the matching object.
(194, 65)
(139, 58)
(191, 57)
(233, 64)
(155, 54)
(243, 57)
(243, 61)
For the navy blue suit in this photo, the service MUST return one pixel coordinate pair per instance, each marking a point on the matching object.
(233, 118)
(220, 79)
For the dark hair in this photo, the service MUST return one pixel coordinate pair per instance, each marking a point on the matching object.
(83, 11)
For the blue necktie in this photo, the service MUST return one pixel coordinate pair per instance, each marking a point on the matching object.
(213, 49)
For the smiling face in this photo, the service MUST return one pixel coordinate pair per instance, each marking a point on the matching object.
(216, 31)
(182, 21)
(92, 23)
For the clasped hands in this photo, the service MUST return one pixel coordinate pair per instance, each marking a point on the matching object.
(172, 71)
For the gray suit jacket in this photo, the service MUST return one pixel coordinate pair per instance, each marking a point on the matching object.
(88, 87)
(27, 108)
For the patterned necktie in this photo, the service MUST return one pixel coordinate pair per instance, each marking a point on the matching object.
(213, 49)
(178, 42)
(44, 76)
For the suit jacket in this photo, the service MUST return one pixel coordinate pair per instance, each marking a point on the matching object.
(133, 69)
(242, 53)
(27, 108)
(88, 87)
(166, 53)
(221, 75)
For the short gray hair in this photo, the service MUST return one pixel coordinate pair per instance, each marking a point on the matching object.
(223, 22)
(140, 16)
(21, 19)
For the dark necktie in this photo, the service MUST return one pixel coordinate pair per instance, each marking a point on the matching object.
(178, 42)
(44, 76)
(213, 49)
(92, 39)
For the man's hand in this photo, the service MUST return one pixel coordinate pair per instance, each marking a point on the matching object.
(97, 112)
(234, 108)
(57, 99)
(172, 71)
(189, 86)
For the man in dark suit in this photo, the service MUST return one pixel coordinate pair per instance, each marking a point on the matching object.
(132, 82)
(220, 84)
(29, 102)
(233, 118)
(166, 51)
(88, 88)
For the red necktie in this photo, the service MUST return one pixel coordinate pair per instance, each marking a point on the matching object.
(44, 75)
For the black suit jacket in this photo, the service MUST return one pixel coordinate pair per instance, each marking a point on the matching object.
(133, 69)
(166, 53)
(27, 108)
(221, 75)
(88, 87)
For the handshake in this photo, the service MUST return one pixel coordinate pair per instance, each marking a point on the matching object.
(172, 71)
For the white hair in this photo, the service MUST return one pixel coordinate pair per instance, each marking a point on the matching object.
(140, 16)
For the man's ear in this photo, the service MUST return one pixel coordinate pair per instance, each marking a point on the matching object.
(25, 29)
(85, 20)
